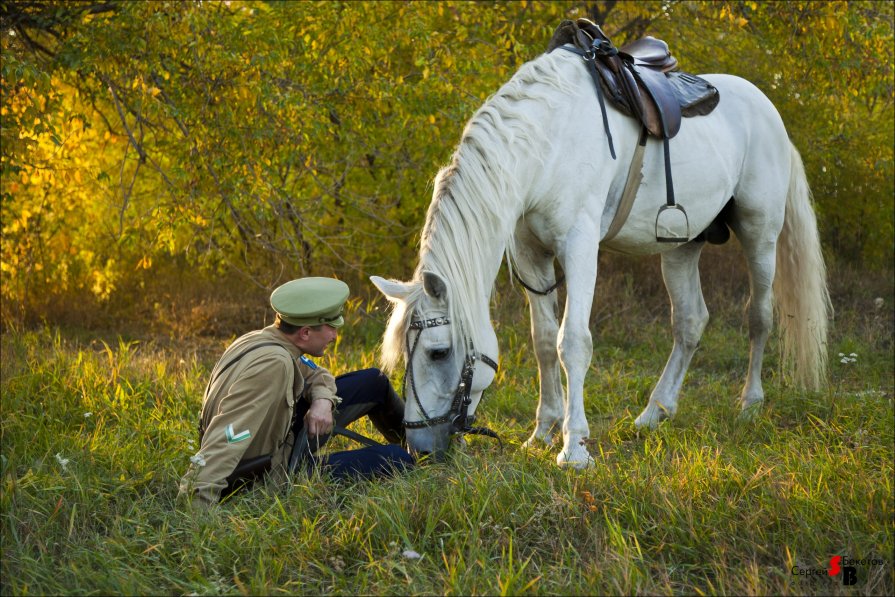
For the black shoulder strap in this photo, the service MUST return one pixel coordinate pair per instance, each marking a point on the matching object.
(227, 366)
(239, 356)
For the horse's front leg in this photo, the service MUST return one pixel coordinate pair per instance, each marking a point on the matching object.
(579, 259)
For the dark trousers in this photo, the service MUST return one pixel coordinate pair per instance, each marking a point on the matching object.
(367, 392)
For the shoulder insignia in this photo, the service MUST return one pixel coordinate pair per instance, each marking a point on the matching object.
(233, 437)
(307, 362)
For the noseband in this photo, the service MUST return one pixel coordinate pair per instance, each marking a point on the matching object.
(458, 415)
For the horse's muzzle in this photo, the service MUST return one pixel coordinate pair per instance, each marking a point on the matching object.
(432, 442)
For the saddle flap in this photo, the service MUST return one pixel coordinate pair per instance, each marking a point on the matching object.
(659, 89)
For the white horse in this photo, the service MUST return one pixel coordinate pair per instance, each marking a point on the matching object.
(532, 178)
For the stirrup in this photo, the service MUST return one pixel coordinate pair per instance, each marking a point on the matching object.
(675, 225)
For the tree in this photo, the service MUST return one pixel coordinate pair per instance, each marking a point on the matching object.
(281, 139)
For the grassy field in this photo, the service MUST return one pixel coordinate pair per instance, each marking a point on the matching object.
(96, 433)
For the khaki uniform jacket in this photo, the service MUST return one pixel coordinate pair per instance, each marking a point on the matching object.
(247, 409)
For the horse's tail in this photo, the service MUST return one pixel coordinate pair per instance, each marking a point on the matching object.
(800, 286)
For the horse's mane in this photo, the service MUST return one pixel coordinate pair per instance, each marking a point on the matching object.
(476, 202)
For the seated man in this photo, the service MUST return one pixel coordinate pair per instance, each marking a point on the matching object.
(267, 404)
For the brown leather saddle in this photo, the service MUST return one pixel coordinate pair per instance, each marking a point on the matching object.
(642, 80)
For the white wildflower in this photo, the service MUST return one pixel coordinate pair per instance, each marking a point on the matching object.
(410, 554)
(198, 459)
(846, 359)
(878, 302)
(62, 461)
(88, 415)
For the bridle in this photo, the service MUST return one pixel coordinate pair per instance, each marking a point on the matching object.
(458, 415)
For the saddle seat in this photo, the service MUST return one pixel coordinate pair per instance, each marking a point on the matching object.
(650, 52)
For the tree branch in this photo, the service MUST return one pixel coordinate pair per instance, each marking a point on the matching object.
(121, 115)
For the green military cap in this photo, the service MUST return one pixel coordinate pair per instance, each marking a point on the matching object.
(311, 301)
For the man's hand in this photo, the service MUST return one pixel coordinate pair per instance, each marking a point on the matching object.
(319, 418)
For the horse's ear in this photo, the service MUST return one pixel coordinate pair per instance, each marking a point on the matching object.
(434, 286)
(392, 289)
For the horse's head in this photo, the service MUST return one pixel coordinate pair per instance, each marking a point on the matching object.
(445, 372)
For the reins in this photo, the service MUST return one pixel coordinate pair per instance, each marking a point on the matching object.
(458, 414)
(555, 285)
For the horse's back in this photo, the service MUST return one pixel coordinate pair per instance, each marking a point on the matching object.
(763, 177)
(739, 150)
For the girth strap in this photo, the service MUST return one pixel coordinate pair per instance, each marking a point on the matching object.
(635, 177)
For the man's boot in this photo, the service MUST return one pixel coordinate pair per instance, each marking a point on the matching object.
(388, 418)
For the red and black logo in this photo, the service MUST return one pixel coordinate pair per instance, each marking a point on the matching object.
(849, 573)
(845, 568)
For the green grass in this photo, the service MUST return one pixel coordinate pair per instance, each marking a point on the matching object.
(705, 504)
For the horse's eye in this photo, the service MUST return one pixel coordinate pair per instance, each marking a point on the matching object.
(439, 354)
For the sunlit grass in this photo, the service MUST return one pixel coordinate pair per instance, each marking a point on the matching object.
(95, 437)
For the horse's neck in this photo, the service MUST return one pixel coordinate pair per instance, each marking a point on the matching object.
(477, 258)
(464, 242)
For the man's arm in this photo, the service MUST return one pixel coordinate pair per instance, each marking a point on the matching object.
(320, 390)
(235, 427)
(320, 384)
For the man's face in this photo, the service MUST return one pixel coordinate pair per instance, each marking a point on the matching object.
(314, 340)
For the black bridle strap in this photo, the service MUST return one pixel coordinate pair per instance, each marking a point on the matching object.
(457, 415)
(408, 374)
(486, 432)
(556, 285)
(361, 439)
(489, 361)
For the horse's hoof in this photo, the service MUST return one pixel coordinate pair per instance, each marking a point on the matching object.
(749, 410)
(537, 441)
(651, 416)
(580, 460)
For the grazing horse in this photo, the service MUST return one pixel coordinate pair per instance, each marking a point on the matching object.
(533, 179)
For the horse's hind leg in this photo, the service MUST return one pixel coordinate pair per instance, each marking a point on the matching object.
(761, 259)
(689, 315)
(534, 266)
(544, 331)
